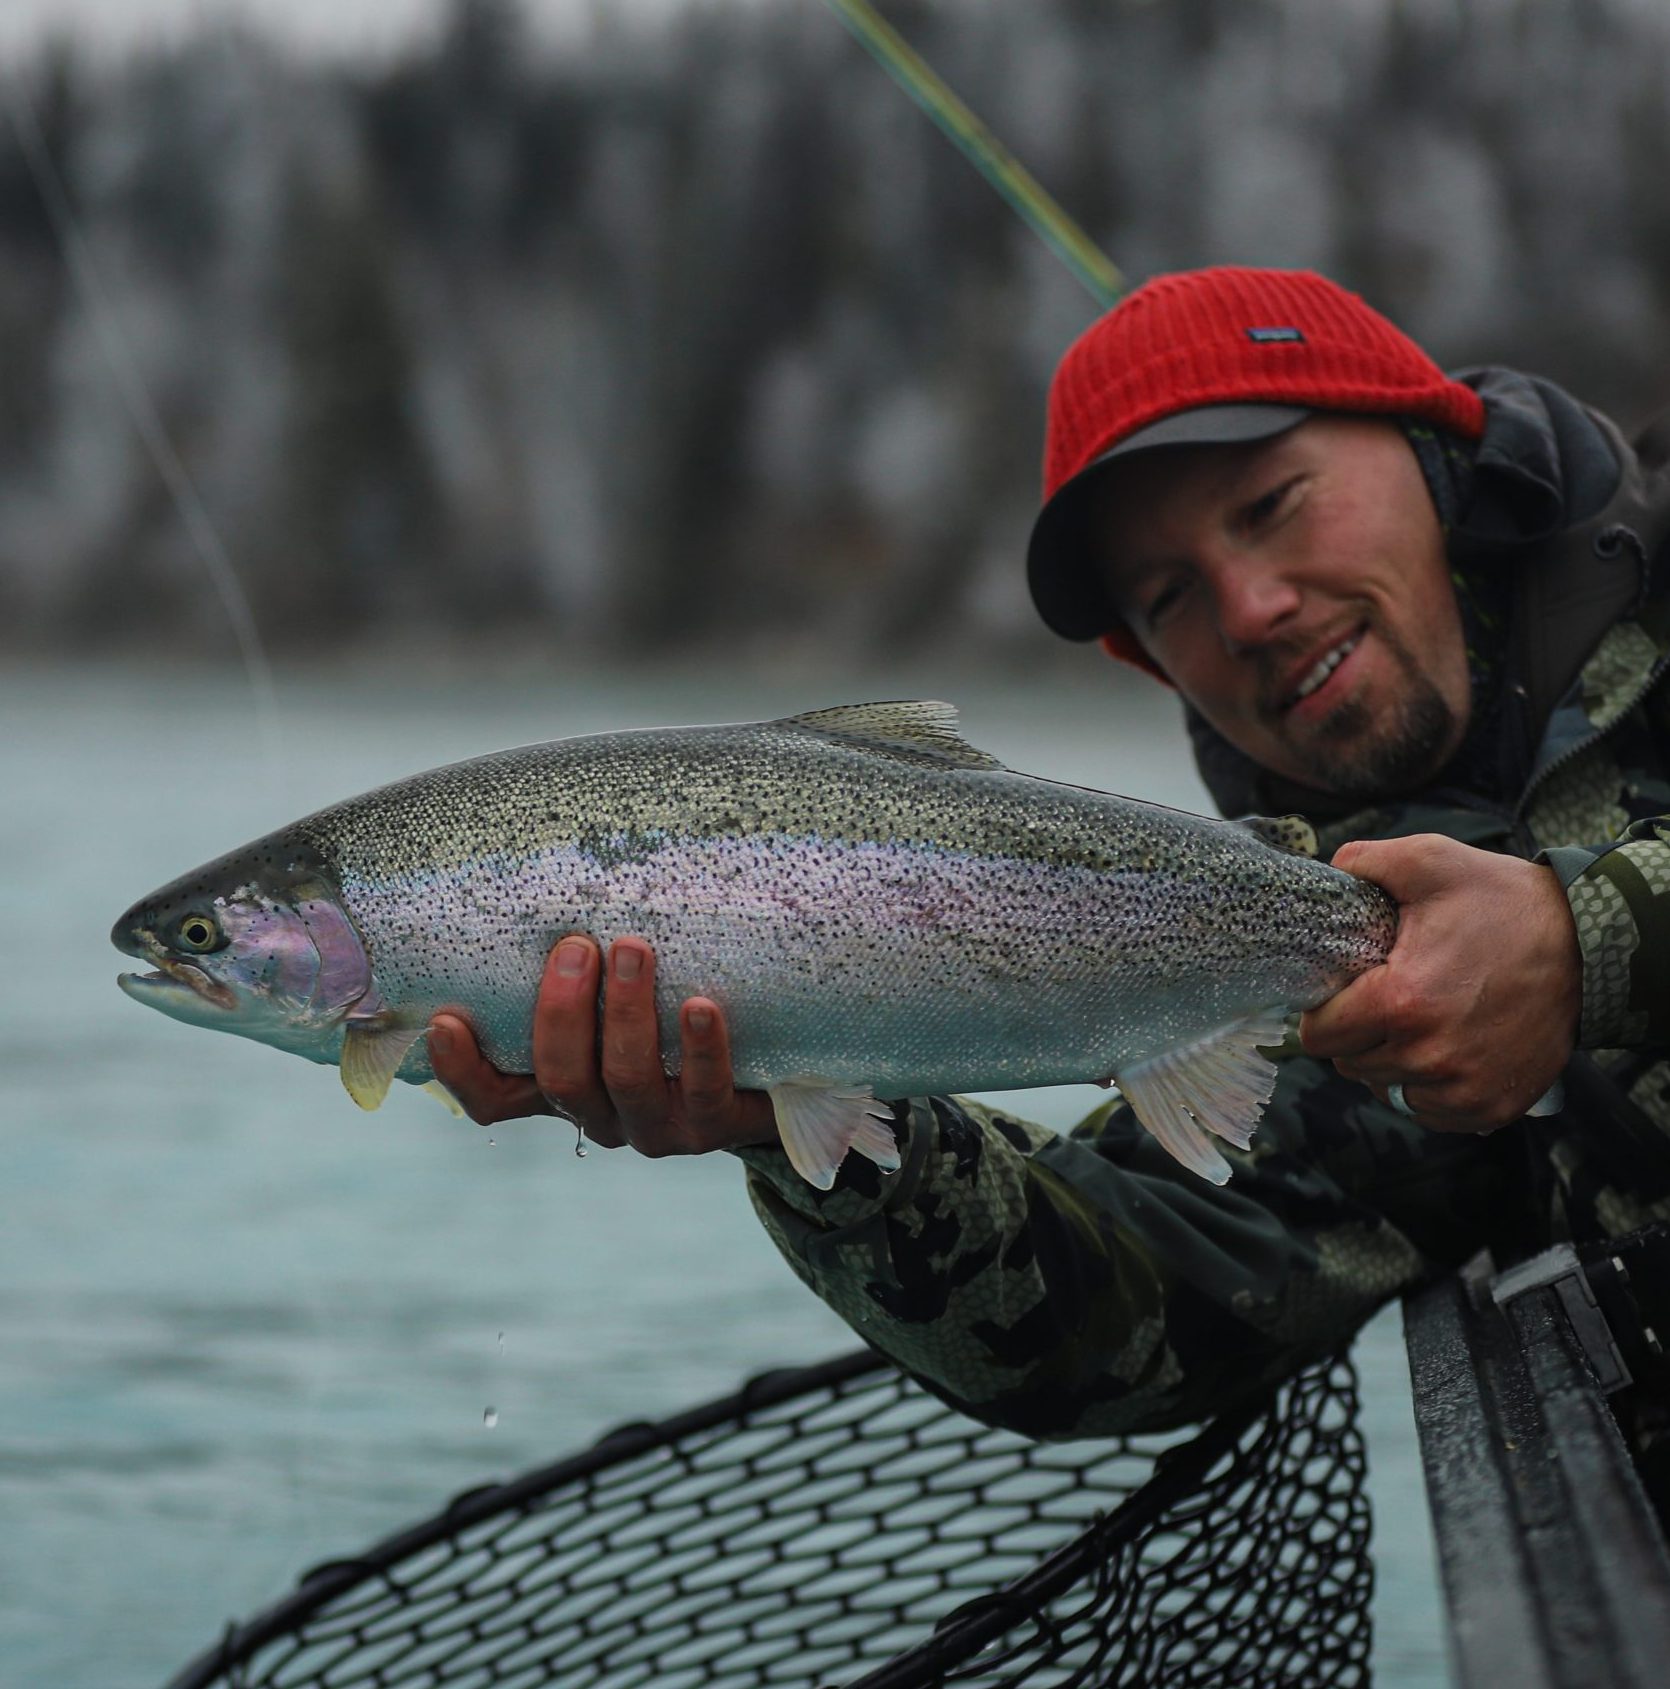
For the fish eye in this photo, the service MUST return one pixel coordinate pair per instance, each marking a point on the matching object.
(198, 933)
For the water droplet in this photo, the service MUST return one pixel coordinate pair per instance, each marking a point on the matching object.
(580, 1142)
(501, 1342)
(492, 1142)
(490, 1417)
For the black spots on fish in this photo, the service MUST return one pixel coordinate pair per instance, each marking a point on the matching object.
(622, 847)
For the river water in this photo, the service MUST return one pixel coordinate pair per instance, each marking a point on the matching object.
(243, 1326)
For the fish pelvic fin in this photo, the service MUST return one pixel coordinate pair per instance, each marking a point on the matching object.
(819, 1120)
(1217, 1084)
(372, 1051)
(445, 1098)
(1292, 833)
(921, 730)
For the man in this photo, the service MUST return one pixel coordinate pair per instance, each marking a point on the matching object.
(1421, 611)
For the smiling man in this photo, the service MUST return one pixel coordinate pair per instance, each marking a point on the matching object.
(1421, 610)
(1285, 587)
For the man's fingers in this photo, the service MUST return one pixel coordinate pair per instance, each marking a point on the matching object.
(565, 1033)
(705, 1065)
(485, 1095)
(1408, 869)
(632, 1071)
(1351, 1023)
(716, 1114)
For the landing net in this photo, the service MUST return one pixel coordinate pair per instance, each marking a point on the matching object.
(837, 1525)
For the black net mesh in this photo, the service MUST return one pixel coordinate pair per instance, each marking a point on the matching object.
(838, 1525)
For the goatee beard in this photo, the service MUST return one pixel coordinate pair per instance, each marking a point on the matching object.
(1369, 756)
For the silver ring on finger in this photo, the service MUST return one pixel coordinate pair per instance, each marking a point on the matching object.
(1395, 1096)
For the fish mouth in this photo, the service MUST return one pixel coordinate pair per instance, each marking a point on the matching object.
(175, 980)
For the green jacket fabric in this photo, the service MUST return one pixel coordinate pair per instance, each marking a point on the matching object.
(1087, 1284)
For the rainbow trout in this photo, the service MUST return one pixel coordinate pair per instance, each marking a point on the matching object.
(879, 908)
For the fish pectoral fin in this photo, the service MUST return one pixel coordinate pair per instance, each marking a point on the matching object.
(445, 1098)
(1220, 1082)
(372, 1051)
(819, 1120)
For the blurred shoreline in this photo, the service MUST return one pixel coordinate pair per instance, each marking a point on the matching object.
(697, 337)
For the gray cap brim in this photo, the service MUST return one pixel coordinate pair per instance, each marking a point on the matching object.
(1067, 591)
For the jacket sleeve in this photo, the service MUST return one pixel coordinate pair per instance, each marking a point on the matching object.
(1088, 1284)
(1620, 900)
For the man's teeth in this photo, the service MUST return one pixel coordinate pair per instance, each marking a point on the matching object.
(1324, 668)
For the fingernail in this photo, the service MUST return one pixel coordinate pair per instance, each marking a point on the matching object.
(629, 962)
(701, 1020)
(441, 1041)
(571, 958)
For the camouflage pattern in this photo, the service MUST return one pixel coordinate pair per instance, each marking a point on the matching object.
(1086, 1284)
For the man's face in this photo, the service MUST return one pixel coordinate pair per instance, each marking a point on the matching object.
(1296, 592)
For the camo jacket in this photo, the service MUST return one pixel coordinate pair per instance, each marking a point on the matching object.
(1086, 1284)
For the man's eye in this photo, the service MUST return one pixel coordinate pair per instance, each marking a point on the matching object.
(1265, 508)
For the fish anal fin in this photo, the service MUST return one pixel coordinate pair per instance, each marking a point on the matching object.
(372, 1051)
(921, 730)
(1216, 1084)
(819, 1120)
(1292, 833)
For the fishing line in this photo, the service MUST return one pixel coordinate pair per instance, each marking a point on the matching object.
(982, 148)
(142, 413)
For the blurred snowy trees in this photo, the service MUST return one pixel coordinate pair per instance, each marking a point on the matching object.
(705, 337)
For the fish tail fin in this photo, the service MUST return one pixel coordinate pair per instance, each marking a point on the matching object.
(1220, 1082)
(819, 1120)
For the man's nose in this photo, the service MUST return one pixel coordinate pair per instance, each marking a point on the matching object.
(1254, 602)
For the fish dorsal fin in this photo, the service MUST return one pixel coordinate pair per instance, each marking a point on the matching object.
(1292, 833)
(921, 730)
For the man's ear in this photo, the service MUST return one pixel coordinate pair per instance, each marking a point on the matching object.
(1121, 643)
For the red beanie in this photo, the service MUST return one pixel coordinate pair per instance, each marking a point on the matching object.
(1198, 342)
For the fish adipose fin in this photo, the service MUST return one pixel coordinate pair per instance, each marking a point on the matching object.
(919, 731)
(1220, 1082)
(819, 1121)
(372, 1052)
(1292, 833)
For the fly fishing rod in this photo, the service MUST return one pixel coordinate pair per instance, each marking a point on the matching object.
(982, 148)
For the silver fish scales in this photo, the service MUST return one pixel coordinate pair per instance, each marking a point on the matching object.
(879, 908)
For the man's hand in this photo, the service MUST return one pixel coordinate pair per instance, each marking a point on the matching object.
(1476, 1010)
(616, 1091)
